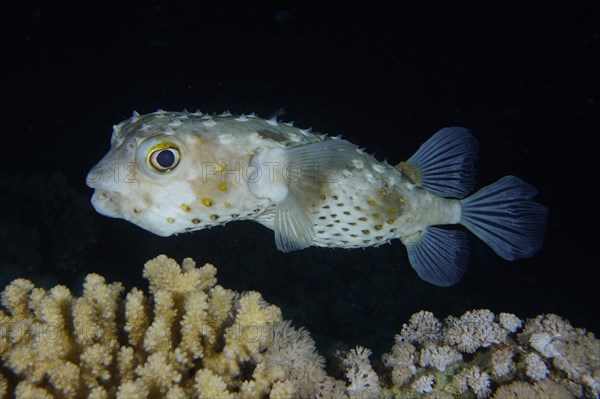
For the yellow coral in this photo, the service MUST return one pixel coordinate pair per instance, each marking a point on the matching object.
(165, 274)
(188, 338)
(251, 328)
(136, 317)
(282, 390)
(209, 385)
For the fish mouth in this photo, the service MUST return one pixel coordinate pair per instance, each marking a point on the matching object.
(106, 203)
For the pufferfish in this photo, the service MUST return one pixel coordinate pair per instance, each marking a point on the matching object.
(174, 172)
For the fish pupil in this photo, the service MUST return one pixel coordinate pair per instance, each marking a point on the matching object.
(165, 158)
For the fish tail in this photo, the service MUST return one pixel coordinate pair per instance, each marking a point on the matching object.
(502, 214)
(506, 218)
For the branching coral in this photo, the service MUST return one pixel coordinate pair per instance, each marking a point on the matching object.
(191, 338)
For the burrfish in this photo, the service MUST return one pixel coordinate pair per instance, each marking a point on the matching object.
(174, 172)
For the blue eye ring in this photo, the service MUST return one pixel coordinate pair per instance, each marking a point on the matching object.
(163, 157)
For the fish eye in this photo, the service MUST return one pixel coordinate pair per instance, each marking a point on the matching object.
(163, 157)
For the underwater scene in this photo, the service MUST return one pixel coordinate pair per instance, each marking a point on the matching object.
(423, 225)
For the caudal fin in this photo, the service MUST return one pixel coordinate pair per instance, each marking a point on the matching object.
(506, 218)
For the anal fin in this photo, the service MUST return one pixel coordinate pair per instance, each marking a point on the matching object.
(440, 256)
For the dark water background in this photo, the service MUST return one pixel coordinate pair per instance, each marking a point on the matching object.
(386, 75)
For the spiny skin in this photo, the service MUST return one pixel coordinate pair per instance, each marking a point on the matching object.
(373, 204)
(362, 202)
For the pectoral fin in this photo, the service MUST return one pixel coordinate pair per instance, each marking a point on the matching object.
(308, 168)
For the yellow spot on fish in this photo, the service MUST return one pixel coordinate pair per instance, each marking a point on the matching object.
(223, 186)
(214, 217)
(378, 227)
(207, 201)
(410, 171)
(376, 215)
(392, 209)
(390, 221)
(170, 220)
(401, 199)
(196, 221)
(227, 205)
(372, 202)
(221, 167)
(136, 210)
(185, 207)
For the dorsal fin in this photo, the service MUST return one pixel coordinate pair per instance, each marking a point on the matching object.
(276, 114)
(444, 164)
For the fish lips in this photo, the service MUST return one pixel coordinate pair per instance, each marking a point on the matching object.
(107, 203)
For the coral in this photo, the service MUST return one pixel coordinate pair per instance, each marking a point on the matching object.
(421, 327)
(535, 368)
(292, 353)
(546, 389)
(473, 330)
(189, 337)
(439, 357)
(509, 322)
(480, 355)
(402, 361)
(501, 361)
(475, 380)
(572, 351)
(423, 384)
(364, 382)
